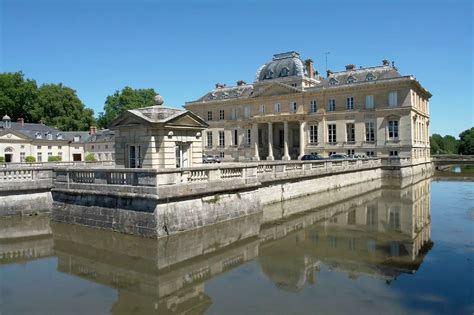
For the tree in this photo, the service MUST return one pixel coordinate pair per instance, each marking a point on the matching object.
(123, 100)
(59, 106)
(443, 145)
(17, 95)
(90, 158)
(466, 143)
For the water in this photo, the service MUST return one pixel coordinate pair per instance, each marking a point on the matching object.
(385, 251)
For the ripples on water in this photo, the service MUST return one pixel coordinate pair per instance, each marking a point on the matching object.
(376, 251)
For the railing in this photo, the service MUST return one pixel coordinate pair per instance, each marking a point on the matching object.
(58, 164)
(205, 178)
(29, 178)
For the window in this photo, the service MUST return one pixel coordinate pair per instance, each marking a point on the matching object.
(38, 135)
(49, 136)
(221, 139)
(350, 103)
(59, 136)
(60, 147)
(350, 132)
(49, 147)
(394, 217)
(209, 139)
(235, 137)
(77, 138)
(369, 77)
(262, 109)
(333, 81)
(351, 79)
(92, 147)
(22, 156)
(369, 101)
(393, 153)
(233, 114)
(221, 114)
(38, 147)
(350, 152)
(248, 137)
(50, 154)
(277, 108)
(370, 131)
(294, 84)
(293, 107)
(332, 133)
(331, 105)
(392, 99)
(209, 115)
(39, 157)
(60, 154)
(393, 130)
(221, 155)
(312, 106)
(371, 216)
(313, 134)
(260, 137)
(22, 146)
(247, 111)
(370, 153)
(351, 217)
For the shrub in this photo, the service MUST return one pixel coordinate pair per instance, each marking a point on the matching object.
(30, 159)
(2, 159)
(90, 158)
(54, 158)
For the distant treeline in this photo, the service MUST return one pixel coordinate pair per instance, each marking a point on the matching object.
(450, 145)
(59, 106)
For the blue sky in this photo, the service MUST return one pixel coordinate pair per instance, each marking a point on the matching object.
(182, 48)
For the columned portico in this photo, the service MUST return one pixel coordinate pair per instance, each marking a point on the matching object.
(302, 138)
(270, 156)
(286, 154)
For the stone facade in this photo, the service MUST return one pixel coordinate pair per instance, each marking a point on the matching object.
(158, 137)
(287, 113)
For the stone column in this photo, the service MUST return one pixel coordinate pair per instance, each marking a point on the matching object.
(270, 156)
(302, 138)
(286, 154)
(256, 156)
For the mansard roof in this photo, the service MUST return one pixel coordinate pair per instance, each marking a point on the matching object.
(360, 75)
(287, 64)
(102, 135)
(227, 93)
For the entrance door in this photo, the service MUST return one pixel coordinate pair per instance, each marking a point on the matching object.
(134, 156)
(182, 155)
(77, 157)
(8, 158)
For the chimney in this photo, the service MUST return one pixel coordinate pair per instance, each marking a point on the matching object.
(21, 121)
(385, 62)
(350, 66)
(328, 73)
(92, 130)
(310, 68)
(241, 82)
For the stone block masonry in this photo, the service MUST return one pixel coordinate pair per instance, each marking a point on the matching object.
(157, 203)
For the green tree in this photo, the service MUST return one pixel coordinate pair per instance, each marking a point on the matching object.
(466, 142)
(18, 96)
(443, 145)
(123, 100)
(59, 106)
(90, 158)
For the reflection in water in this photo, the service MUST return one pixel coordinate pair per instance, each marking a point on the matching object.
(380, 233)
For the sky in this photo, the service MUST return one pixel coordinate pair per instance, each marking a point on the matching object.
(182, 48)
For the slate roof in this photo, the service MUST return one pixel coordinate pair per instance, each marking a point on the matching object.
(282, 65)
(102, 136)
(225, 93)
(360, 75)
(30, 130)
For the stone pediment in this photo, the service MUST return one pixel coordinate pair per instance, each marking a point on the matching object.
(275, 89)
(188, 119)
(128, 119)
(12, 135)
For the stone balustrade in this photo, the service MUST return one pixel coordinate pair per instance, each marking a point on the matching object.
(181, 182)
(57, 164)
(27, 178)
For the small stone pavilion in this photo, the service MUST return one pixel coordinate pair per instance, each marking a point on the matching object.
(158, 137)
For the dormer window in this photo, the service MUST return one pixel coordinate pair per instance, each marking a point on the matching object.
(269, 74)
(284, 72)
(38, 135)
(49, 136)
(369, 77)
(351, 79)
(333, 81)
(59, 136)
(77, 138)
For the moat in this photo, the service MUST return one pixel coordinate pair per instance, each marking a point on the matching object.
(387, 250)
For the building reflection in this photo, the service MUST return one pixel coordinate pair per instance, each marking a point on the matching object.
(23, 239)
(166, 276)
(378, 230)
(381, 234)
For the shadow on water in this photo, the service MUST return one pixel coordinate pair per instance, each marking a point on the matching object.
(376, 229)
